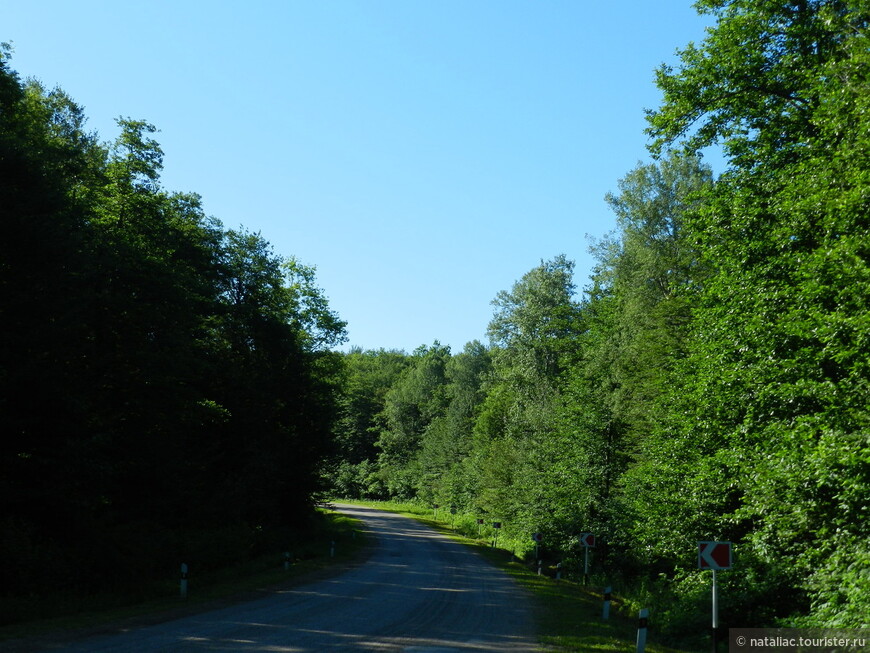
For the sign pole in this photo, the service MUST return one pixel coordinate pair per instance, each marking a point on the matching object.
(714, 556)
(715, 614)
(586, 565)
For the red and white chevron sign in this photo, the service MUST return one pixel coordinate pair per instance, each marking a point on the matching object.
(586, 539)
(714, 555)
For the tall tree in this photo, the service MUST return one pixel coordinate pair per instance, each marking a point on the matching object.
(416, 399)
(368, 377)
(635, 316)
(533, 334)
(779, 381)
(446, 443)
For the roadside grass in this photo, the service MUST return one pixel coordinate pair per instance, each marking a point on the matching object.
(75, 613)
(568, 614)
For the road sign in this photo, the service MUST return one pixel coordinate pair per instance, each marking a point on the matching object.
(496, 524)
(537, 537)
(714, 555)
(586, 539)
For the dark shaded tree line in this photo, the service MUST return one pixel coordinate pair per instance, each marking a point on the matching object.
(711, 380)
(166, 385)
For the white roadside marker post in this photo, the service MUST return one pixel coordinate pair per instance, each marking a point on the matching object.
(286, 561)
(605, 611)
(641, 630)
(537, 538)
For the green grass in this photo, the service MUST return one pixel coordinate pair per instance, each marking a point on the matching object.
(568, 614)
(66, 613)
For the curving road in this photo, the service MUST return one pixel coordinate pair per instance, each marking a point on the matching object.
(419, 592)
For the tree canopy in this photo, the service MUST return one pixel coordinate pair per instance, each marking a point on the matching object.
(158, 373)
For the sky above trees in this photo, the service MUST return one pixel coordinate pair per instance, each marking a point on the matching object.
(422, 156)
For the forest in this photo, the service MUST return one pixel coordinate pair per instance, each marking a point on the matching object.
(162, 374)
(167, 386)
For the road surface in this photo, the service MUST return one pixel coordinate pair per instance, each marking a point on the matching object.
(419, 592)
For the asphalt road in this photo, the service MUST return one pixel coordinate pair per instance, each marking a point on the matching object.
(418, 592)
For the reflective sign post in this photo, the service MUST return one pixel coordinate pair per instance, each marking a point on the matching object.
(587, 541)
(714, 556)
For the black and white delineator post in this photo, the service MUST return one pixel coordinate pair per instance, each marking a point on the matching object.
(641, 630)
(714, 556)
(605, 611)
(286, 561)
(496, 526)
(183, 587)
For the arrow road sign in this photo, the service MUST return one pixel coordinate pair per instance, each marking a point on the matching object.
(586, 539)
(714, 555)
(537, 537)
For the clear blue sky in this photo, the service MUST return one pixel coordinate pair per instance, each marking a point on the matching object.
(422, 154)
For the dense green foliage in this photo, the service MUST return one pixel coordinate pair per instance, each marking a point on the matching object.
(712, 380)
(166, 386)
